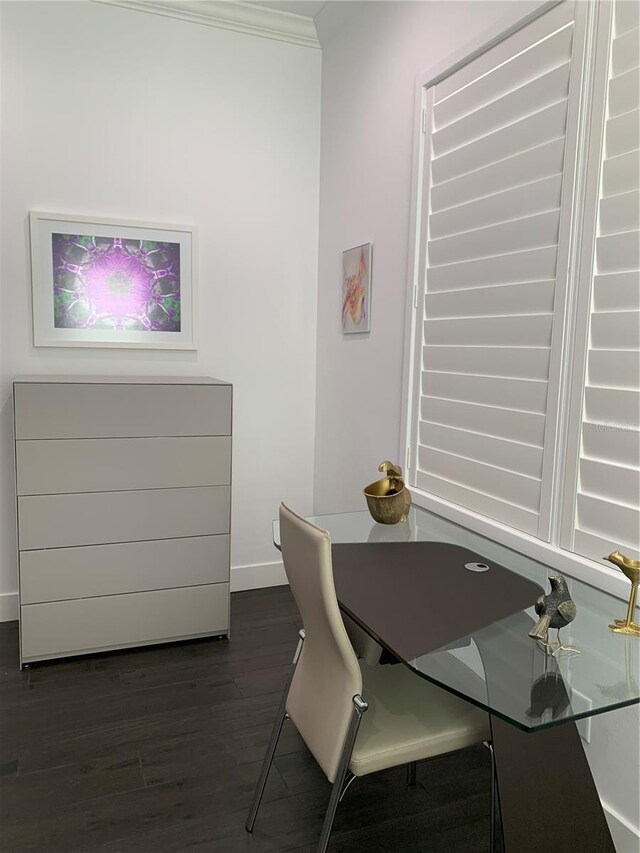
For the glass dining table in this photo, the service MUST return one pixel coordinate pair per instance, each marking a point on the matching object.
(457, 608)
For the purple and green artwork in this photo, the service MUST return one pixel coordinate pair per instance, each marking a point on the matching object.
(115, 283)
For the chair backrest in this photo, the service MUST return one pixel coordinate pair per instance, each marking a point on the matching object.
(327, 676)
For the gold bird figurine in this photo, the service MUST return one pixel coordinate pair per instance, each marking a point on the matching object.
(631, 569)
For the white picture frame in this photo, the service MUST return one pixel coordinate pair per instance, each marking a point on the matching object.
(112, 283)
(356, 289)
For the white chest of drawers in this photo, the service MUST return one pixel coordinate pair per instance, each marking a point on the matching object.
(124, 492)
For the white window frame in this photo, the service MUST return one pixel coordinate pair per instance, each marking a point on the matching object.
(591, 26)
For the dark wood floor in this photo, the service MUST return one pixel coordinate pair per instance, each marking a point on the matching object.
(158, 749)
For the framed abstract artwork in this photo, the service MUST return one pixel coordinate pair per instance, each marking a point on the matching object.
(111, 283)
(356, 289)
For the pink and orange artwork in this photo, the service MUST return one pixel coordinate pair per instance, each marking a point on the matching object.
(356, 289)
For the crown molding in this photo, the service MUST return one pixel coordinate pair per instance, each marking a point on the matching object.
(229, 15)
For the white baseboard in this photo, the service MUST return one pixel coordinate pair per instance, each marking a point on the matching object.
(626, 838)
(8, 606)
(257, 576)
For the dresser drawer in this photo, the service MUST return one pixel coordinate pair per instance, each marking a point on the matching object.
(60, 573)
(115, 621)
(99, 518)
(96, 410)
(118, 464)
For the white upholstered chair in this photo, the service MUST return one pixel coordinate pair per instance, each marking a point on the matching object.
(353, 717)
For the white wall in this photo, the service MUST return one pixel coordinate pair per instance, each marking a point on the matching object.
(373, 53)
(112, 112)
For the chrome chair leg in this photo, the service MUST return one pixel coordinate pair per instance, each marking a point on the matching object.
(359, 707)
(281, 716)
(411, 775)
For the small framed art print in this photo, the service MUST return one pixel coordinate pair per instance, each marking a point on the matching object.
(356, 289)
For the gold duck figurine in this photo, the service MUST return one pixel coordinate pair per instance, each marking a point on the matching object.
(388, 499)
(631, 569)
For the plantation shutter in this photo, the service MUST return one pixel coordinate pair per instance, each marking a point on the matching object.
(607, 504)
(492, 265)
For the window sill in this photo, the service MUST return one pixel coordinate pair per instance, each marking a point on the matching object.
(603, 577)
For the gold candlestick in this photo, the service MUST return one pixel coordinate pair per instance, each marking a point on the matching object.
(631, 569)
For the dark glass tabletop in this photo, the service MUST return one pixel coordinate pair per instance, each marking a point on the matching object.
(417, 589)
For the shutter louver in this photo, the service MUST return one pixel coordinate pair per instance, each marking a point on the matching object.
(494, 163)
(608, 495)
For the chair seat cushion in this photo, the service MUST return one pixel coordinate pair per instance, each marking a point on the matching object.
(410, 719)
